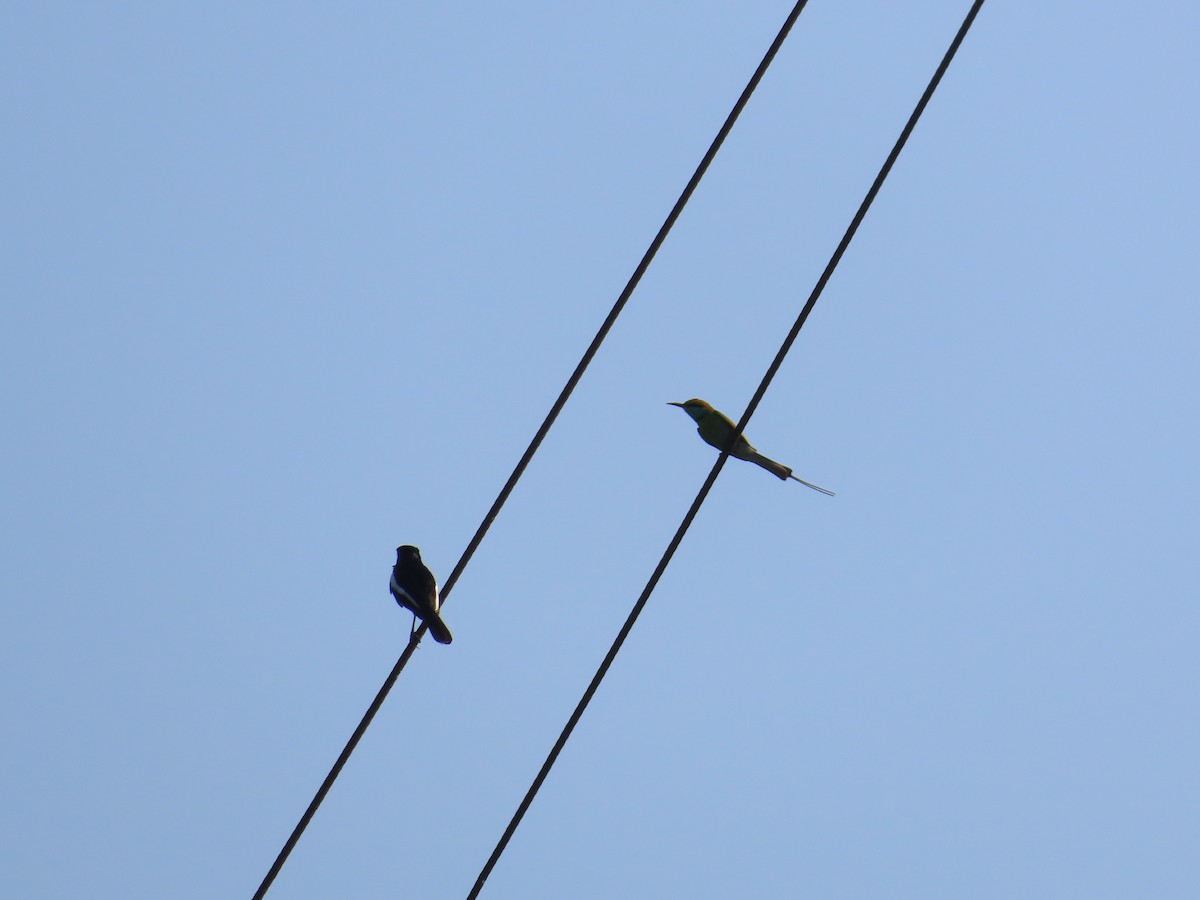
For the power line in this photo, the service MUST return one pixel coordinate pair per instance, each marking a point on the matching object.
(534, 444)
(720, 463)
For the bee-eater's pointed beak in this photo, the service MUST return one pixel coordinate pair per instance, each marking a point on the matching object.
(673, 403)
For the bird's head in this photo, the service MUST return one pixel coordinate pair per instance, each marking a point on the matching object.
(408, 551)
(696, 408)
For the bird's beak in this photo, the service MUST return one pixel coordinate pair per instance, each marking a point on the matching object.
(673, 403)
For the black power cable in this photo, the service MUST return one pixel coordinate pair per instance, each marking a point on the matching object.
(568, 388)
(719, 464)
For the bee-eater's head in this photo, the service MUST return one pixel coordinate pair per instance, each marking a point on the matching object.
(696, 408)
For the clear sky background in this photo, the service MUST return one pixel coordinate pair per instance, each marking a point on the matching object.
(286, 285)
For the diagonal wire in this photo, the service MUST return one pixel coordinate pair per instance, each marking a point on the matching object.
(568, 388)
(720, 463)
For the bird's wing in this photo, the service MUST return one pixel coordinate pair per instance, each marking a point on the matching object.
(399, 592)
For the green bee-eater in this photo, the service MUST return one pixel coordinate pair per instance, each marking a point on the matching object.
(716, 429)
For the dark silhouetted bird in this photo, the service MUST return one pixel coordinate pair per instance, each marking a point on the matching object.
(415, 588)
(717, 429)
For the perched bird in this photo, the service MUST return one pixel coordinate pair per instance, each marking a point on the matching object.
(415, 588)
(716, 429)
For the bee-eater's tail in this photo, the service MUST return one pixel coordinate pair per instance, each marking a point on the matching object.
(438, 629)
(782, 472)
(815, 487)
(777, 469)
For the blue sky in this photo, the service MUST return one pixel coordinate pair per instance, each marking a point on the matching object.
(287, 285)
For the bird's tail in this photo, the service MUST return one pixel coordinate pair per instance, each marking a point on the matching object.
(779, 470)
(815, 487)
(438, 629)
